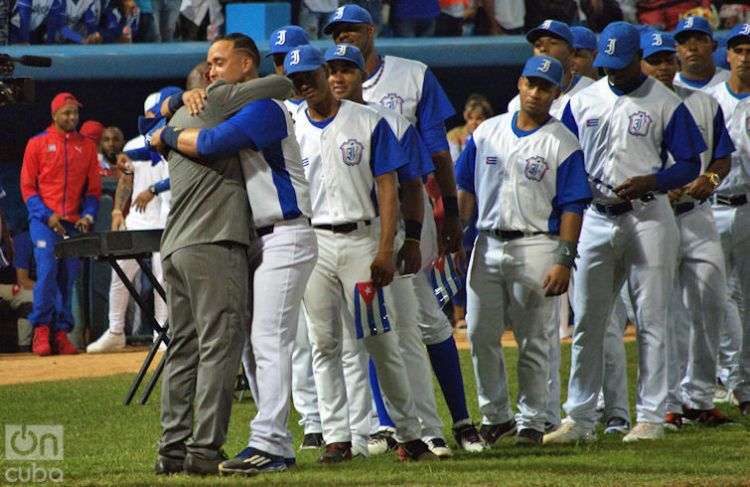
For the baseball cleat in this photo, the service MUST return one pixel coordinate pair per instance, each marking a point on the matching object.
(468, 438)
(529, 437)
(381, 442)
(644, 431)
(673, 421)
(252, 461)
(569, 432)
(312, 441)
(706, 417)
(336, 452)
(490, 433)
(416, 451)
(439, 447)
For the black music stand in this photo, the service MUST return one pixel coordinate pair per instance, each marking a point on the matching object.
(111, 247)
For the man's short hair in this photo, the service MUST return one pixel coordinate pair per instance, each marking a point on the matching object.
(242, 42)
(198, 77)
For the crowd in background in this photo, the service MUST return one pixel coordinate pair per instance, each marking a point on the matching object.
(125, 21)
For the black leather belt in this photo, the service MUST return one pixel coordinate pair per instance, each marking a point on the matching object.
(681, 208)
(732, 200)
(263, 231)
(614, 210)
(342, 227)
(512, 234)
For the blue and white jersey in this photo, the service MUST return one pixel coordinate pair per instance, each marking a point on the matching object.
(81, 18)
(628, 135)
(736, 108)
(28, 16)
(720, 76)
(523, 180)
(263, 134)
(410, 89)
(146, 174)
(294, 104)
(342, 157)
(556, 110)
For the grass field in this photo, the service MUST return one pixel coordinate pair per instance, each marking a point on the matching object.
(107, 443)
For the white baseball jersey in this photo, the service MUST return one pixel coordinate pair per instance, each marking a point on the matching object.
(76, 12)
(736, 108)
(145, 174)
(523, 180)
(39, 12)
(294, 104)
(627, 136)
(721, 75)
(410, 89)
(342, 157)
(556, 110)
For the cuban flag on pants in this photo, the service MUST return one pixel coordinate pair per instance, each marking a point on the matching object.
(369, 310)
(445, 278)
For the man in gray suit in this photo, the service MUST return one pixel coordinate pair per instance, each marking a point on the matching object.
(204, 249)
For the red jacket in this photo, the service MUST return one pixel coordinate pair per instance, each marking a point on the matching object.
(60, 174)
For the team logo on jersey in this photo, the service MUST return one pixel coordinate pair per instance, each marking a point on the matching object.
(640, 122)
(491, 160)
(536, 168)
(393, 101)
(351, 152)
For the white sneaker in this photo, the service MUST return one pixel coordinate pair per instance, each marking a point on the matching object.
(644, 431)
(439, 447)
(162, 345)
(108, 342)
(381, 442)
(569, 432)
(721, 394)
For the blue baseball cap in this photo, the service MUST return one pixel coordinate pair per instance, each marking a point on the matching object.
(583, 38)
(739, 32)
(553, 28)
(656, 41)
(302, 59)
(618, 43)
(693, 24)
(545, 67)
(349, 14)
(287, 38)
(720, 58)
(345, 52)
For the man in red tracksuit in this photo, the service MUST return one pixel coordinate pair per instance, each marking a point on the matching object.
(61, 187)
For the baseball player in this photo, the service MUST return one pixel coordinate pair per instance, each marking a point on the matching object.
(262, 132)
(525, 172)
(282, 41)
(695, 47)
(625, 123)
(732, 215)
(409, 88)
(351, 156)
(584, 45)
(346, 67)
(700, 293)
(145, 180)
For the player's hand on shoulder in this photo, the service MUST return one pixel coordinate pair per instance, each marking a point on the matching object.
(636, 187)
(382, 269)
(409, 258)
(195, 100)
(556, 281)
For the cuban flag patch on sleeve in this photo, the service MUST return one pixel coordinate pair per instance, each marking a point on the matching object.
(445, 278)
(370, 315)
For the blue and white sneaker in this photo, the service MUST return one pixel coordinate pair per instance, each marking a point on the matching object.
(252, 461)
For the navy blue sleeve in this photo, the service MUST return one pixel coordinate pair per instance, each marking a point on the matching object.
(723, 145)
(572, 185)
(139, 154)
(23, 251)
(163, 185)
(23, 10)
(684, 141)
(90, 20)
(465, 167)
(570, 121)
(385, 152)
(256, 126)
(419, 159)
(433, 110)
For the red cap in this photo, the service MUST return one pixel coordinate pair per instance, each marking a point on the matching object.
(62, 99)
(93, 130)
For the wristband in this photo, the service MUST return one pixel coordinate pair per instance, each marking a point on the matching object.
(174, 102)
(170, 136)
(450, 204)
(565, 254)
(412, 230)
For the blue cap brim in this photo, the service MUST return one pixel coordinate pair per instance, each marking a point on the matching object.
(647, 53)
(537, 32)
(610, 62)
(302, 68)
(732, 40)
(545, 77)
(693, 29)
(329, 27)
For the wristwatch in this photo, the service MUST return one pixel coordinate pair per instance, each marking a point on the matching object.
(152, 188)
(713, 178)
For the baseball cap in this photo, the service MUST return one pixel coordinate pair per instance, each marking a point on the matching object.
(545, 67)
(287, 38)
(345, 52)
(92, 129)
(553, 28)
(656, 41)
(693, 24)
(617, 45)
(739, 32)
(302, 59)
(62, 99)
(720, 58)
(583, 38)
(350, 14)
